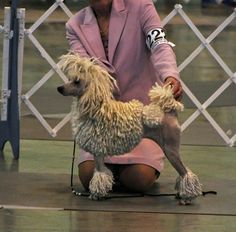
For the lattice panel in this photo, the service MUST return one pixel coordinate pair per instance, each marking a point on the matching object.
(204, 44)
(54, 69)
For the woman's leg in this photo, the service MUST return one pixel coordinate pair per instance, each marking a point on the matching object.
(134, 177)
(137, 177)
(86, 170)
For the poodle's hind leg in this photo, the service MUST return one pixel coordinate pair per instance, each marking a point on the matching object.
(187, 184)
(102, 180)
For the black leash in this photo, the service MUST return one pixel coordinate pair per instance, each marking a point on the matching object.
(86, 194)
(72, 175)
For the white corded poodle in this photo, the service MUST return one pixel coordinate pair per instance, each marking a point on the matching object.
(103, 126)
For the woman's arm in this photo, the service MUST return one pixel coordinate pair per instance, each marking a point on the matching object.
(162, 55)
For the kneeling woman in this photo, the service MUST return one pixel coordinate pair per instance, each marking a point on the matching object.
(127, 38)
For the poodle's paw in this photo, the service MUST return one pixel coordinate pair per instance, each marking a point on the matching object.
(100, 185)
(184, 201)
(97, 196)
(188, 188)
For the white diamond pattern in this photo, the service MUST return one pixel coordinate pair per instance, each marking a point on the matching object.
(204, 44)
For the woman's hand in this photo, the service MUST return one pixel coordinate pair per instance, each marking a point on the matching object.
(177, 87)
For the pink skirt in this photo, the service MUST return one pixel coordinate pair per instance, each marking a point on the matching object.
(146, 152)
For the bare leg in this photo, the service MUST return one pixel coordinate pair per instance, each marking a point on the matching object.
(134, 177)
(138, 177)
(86, 171)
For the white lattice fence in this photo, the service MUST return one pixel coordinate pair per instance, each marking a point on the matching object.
(204, 44)
(7, 35)
(54, 68)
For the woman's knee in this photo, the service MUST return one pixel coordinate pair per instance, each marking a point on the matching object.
(86, 171)
(138, 177)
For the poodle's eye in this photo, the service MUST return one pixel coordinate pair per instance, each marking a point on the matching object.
(77, 82)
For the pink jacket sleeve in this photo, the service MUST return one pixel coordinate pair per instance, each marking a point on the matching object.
(163, 58)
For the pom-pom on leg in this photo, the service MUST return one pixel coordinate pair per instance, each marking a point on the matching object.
(100, 184)
(188, 187)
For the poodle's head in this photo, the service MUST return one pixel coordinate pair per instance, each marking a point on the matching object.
(87, 80)
(74, 88)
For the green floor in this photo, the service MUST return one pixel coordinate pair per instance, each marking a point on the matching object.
(47, 221)
(54, 157)
(47, 163)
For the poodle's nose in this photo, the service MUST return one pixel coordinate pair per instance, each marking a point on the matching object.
(60, 89)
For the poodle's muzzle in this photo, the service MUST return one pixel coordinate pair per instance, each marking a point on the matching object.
(68, 90)
(72, 88)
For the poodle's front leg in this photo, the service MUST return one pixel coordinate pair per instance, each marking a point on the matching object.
(187, 184)
(102, 180)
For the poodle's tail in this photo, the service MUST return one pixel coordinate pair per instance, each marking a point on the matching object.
(163, 96)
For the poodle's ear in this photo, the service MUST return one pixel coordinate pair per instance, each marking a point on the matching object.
(70, 64)
(81, 85)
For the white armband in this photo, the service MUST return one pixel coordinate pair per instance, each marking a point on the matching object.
(156, 37)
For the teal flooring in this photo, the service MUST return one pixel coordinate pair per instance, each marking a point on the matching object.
(61, 221)
(35, 194)
(54, 157)
(203, 76)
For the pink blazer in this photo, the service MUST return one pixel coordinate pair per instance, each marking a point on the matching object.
(130, 61)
